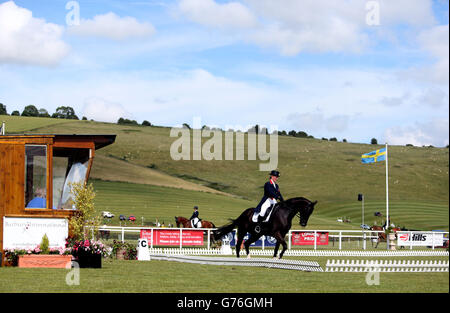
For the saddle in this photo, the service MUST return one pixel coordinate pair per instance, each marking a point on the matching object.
(266, 217)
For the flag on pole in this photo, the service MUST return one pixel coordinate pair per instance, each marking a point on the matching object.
(374, 156)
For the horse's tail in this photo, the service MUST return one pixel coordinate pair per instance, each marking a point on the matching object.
(221, 231)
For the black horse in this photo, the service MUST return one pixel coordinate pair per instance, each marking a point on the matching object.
(278, 225)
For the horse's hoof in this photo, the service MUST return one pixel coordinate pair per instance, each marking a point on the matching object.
(248, 256)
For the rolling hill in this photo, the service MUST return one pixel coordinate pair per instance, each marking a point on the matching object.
(330, 172)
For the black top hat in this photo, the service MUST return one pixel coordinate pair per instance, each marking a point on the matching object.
(275, 173)
(196, 208)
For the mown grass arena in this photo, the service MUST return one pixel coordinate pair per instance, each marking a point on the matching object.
(140, 180)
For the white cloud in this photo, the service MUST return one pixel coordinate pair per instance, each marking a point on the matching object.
(293, 26)
(28, 40)
(102, 110)
(436, 42)
(210, 13)
(433, 132)
(317, 122)
(113, 27)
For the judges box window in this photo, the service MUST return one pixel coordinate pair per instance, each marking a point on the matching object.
(35, 176)
(69, 166)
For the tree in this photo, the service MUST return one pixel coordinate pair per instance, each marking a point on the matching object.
(30, 110)
(374, 141)
(125, 121)
(65, 112)
(15, 113)
(344, 140)
(43, 113)
(3, 109)
(333, 139)
(146, 123)
(302, 134)
(85, 214)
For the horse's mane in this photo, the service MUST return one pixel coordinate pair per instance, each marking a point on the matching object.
(297, 199)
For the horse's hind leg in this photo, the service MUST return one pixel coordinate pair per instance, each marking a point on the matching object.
(239, 242)
(253, 238)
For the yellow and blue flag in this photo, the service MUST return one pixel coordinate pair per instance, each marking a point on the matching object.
(374, 156)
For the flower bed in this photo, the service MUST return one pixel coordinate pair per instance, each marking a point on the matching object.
(45, 260)
(55, 257)
(88, 253)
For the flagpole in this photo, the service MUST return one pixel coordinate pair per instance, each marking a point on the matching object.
(387, 192)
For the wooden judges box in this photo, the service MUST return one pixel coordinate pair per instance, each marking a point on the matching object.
(35, 176)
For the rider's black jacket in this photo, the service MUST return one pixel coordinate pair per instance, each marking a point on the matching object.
(270, 191)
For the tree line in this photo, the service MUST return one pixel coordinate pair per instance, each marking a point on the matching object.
(66, 112)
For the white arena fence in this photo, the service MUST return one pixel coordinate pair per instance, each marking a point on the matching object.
(333, 240)
(386, 266)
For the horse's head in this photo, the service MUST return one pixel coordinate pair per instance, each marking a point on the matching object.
(305, 212)
(304, 207)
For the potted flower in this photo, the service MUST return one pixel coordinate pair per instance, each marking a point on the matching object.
(88, 253)
(40, 256)
(123, 250)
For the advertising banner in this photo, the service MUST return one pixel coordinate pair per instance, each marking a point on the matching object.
(420, 239)
(305, 238)
(171, 237)
(267, 240)
(27, 232)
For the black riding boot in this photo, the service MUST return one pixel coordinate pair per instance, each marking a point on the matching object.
(258, 226)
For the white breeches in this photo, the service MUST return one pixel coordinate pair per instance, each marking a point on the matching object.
(266, 205)
(194, 222)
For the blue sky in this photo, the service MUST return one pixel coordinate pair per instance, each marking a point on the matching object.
(350, 69)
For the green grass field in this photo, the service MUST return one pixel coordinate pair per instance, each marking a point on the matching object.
(174, 277)
(136, 176)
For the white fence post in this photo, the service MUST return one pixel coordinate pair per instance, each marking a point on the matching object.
(123, 234)
(364, 240)
(410, 240)
(315, 240)
(209, 235)
(152, 233)
(340, 240)
(432, 238)
(290, 240)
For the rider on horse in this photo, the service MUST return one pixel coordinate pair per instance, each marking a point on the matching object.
(194, 218)
(268, 201)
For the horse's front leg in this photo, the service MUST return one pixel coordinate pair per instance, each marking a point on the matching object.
(284, 244)
(275, 252)
(280, 240)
